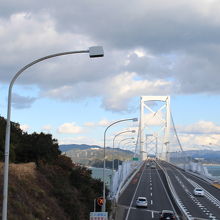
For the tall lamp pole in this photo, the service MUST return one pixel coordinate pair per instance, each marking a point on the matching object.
(96, 51)
(132, 138)
(133, 131)
(103, 195)
(127, 143)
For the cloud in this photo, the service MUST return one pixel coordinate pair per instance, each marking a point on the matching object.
(104, 122)
(89, 124)
(79, 140)
(21, 102)
(152, 119)
(200, 135)
(117, 92)
(101, 123)
(25, 127)
(159, 49)
(69, 128)
(47, 128)
(199, 142)
(200, 127)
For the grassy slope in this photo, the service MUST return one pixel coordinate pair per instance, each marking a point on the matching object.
(49, 194)
(29, 195)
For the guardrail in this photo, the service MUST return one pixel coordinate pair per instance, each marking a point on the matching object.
(203, 175)
(127, 181)
(122, 177)
(122, 184)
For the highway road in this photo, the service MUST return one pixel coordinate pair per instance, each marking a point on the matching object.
(207, 207)
(148, 183)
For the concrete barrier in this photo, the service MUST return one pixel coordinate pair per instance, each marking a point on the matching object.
(175, 196)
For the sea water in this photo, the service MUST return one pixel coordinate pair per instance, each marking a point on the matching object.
(214, 170)
(97, 173)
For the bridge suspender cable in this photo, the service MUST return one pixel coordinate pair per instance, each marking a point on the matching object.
(180, 145)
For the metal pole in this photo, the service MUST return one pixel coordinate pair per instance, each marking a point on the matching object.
(120, 143)
(8, 130)
(94, 205)
(113, 146)
(104, 165)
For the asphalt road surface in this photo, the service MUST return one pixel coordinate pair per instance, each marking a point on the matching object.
(148, 183)
(207, 207)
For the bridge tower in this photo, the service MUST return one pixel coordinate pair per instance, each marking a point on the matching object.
(155, 122)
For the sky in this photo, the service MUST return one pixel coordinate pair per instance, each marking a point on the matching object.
(151, 48)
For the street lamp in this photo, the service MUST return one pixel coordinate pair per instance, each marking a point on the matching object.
(133, 131)
(129, 119)
(132, 138)
(96, 51)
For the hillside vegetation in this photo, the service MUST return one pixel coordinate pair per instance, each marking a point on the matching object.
(90, 155)
(43, 184)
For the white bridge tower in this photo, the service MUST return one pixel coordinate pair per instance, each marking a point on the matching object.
(154, 123)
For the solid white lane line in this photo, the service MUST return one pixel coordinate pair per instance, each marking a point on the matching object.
(166, 192)
(135, 193)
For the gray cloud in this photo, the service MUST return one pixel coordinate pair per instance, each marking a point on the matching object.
(21, 102)
(180, 39)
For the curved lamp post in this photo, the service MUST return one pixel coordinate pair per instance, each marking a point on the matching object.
(96, 51)
(113, 146)
(127, 144)
(103, 195)
(132, 138)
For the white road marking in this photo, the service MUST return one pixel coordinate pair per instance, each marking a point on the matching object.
(166, 191)
(152, 214)
(151, 194)
(135, 193)
(194, 199)
(150, 188)
(151, 202)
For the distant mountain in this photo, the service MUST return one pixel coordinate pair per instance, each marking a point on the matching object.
(67, 147)
(91, 154)
(209, 156)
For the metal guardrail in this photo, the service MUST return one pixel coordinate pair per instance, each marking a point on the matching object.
(125, 183)
(121, 189)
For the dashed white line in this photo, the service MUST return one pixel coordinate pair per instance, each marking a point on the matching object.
(194, 199)
(135, 193)
(151, 202)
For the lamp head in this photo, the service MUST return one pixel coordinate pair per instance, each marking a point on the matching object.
(133, 131)
(135, 119)
(96, 51)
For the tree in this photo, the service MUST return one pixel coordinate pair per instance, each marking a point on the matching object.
(35, 147)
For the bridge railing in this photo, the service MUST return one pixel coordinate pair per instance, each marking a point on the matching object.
(197, 168)
(122, 176)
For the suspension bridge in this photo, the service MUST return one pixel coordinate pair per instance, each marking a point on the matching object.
(168, 179)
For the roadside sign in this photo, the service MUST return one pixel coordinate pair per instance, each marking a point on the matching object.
(135, 158)
(98, 216)
(100, 201)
